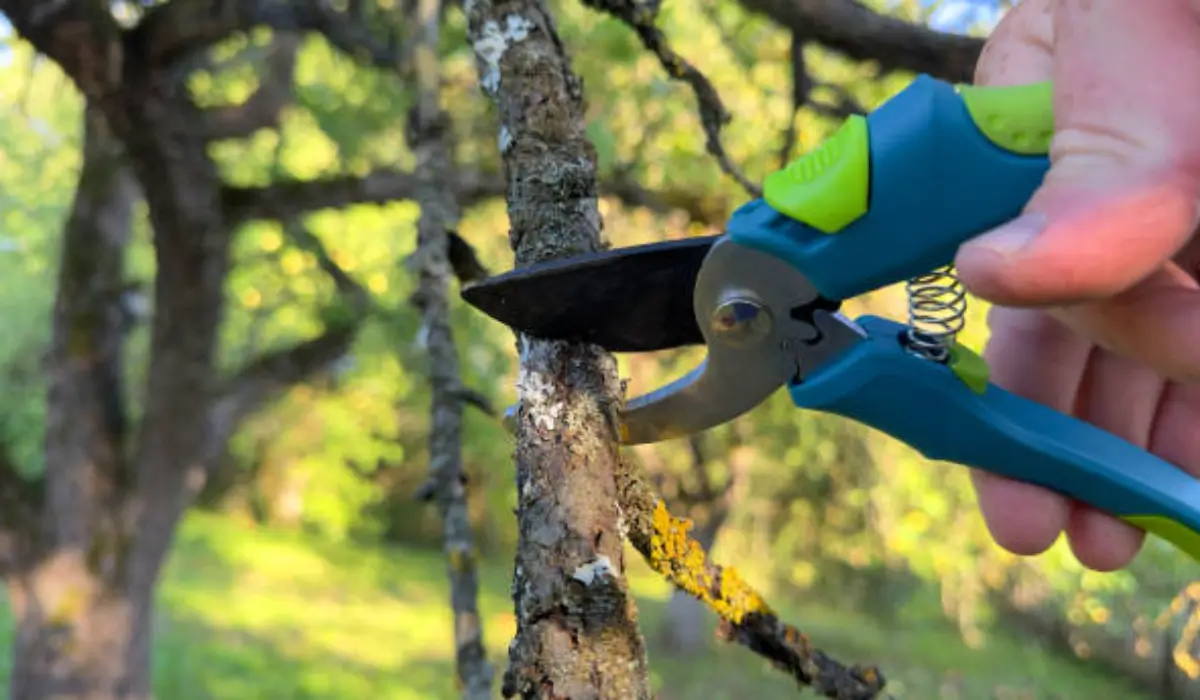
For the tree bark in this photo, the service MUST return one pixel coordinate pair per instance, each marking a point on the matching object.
(577, 633)
(429, 136)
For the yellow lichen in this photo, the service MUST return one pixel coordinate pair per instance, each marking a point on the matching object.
(678, 557)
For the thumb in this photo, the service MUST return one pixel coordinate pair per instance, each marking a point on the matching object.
(1120, 198)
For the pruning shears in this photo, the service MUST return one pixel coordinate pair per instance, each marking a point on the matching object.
(888, 198)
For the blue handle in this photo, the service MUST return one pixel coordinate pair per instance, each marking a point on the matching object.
(895, 198)
(922, 403)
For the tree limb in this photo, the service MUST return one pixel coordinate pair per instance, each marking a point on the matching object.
(80, 35)
(438, 247)
(641, 16)
(178, 29)
(664, 541)
(289, 197)
(855, 30)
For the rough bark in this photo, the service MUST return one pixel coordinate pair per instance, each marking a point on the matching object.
(577, 634)
(429, 134)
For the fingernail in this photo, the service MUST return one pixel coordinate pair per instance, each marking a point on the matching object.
(1011, 238)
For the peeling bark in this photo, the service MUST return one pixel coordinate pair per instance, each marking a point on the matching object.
(429, 132)
(577, 633)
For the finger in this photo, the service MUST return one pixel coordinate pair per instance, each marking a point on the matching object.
(1019, 49)
(1034, 356)
(1157, 323)
(1120, 196)
(1174, 436)
(1119, 396)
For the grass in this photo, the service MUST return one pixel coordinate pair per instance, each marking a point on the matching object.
(253, 614)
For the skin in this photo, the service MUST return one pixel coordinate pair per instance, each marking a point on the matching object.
(1097, 305)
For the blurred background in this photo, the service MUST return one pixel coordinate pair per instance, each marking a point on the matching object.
(310, 569)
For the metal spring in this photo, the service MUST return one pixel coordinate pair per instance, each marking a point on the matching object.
(937, 310)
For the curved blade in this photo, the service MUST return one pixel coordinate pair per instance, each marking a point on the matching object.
(634, 299)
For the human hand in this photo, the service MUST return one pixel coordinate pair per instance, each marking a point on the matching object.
(1097, 308)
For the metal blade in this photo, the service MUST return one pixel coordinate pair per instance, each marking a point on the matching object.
(634, 299)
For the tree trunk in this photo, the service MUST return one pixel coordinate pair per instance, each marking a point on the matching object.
(77, 636)
(577, 633)
(80, 632)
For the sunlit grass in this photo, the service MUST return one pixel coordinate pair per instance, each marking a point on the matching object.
(250, 614)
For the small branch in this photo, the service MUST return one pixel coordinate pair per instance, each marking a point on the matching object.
(641, 16)
(858, 32)
(263, 108)
(179, 29)
(463, 259)
(286, 198)
(664, 541)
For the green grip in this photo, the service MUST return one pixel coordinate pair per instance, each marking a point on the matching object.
(1017, 118)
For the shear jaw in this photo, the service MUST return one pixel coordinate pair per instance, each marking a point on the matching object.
(742, 301)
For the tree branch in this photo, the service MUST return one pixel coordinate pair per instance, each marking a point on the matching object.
(664, 541)
(266, 377)
(80, 35)
(577, 632)
(287, 197)
(174, 30)
(860, 33)
(428, 133)
(641, 16)
(802, 85)
(264, 106)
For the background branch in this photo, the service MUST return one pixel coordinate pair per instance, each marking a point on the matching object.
(860, 33)
(438, 247)
(80, 35)
(182, 28)
(641, 16)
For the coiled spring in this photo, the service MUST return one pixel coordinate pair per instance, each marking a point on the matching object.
(937, 310)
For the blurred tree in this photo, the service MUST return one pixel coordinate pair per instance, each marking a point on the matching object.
(92, 547)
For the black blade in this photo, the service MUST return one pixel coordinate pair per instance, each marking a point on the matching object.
(635, 299)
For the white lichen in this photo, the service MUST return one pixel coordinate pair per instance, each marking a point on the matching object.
(506, 139)
(494, 40)
(536, 389)
(598, 568)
